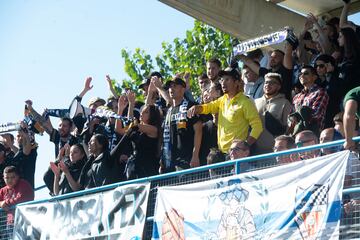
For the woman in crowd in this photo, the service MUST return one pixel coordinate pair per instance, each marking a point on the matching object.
(349, 67)
(145, 138)
(67, 171)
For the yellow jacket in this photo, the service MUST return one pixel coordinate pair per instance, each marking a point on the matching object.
(236, 115)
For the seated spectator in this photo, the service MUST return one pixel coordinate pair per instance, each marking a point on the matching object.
(273, 109)
(68, 168)
(240, 149)
(304, 139)
(16, 191)
(254, 84)
(312, 95)
(236, 112)
(144, 159)
(282, 143)
(215, 156)
(329, 135)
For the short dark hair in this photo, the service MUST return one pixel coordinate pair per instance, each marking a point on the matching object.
(11, 169)
(68, 120)
(203, 76)
(157, 74)
(215, 61)
(311, 68)
(326, 59)
(215, 156)
(290, 141)
(257, 53)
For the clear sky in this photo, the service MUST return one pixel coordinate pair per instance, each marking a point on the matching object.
(49, 47)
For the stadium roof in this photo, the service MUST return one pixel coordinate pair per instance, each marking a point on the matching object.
(250, 18)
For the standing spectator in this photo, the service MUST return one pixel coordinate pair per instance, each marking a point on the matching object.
(236, 112)
(8, 140)
(280, 62)
(253, 83)
(144, 160)
(16, 191)
(312, 95)
(4, 162)
(273, 109)
(204, 84)
(351, 116)
(349, 67)
(182, 135)
(102, 166)
(213, 66)
(329, 80)
(59, 136)
(282, 143)
(68, 169)
(210, 121)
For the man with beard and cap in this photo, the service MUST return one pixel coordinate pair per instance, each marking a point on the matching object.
(236, 112)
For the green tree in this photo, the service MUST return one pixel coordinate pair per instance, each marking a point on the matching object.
(182, 55)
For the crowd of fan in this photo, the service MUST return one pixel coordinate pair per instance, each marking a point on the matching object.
(278, 100)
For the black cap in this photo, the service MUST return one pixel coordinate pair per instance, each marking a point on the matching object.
(157, 74)
(144, 83)
(177, 81)
(233, 72)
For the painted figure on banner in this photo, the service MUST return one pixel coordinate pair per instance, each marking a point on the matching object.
(236, 221)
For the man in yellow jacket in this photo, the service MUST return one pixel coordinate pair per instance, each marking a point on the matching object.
(238, 116)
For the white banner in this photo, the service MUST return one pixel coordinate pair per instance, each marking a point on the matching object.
(117, 214)
(301, 200)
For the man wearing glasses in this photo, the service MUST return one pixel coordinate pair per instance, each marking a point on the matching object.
(312, 95)
(273, 109)
(304, 139)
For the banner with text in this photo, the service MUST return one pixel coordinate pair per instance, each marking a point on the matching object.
(119, 213)
(300, 200)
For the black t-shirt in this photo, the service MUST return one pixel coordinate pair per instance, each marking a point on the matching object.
(26, 165)
(286, 75)
(178, 137)
(75, 170)
(209, 140)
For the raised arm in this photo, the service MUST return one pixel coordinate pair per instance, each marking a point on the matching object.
(45, 123)
(122, 103)
(158, 84)
(250, 63)
(111, 88)
(344, 14)
(151, 94)
(87, 87)
(323, 39)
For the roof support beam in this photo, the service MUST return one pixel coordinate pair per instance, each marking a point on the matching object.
(243, 19)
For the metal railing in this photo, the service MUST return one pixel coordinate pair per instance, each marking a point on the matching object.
(350, 223)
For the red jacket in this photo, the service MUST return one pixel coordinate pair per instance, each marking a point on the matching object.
(22, 192)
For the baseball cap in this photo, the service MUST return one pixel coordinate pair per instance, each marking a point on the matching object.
(144, 83)
(96, 99)
(229, 71)
(177, 81)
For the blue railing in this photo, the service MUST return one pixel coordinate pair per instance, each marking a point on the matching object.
(197, 170)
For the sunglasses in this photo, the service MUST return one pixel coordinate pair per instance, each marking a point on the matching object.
(301, 143)
(237, 149)
(306, 73)
(320, 65)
